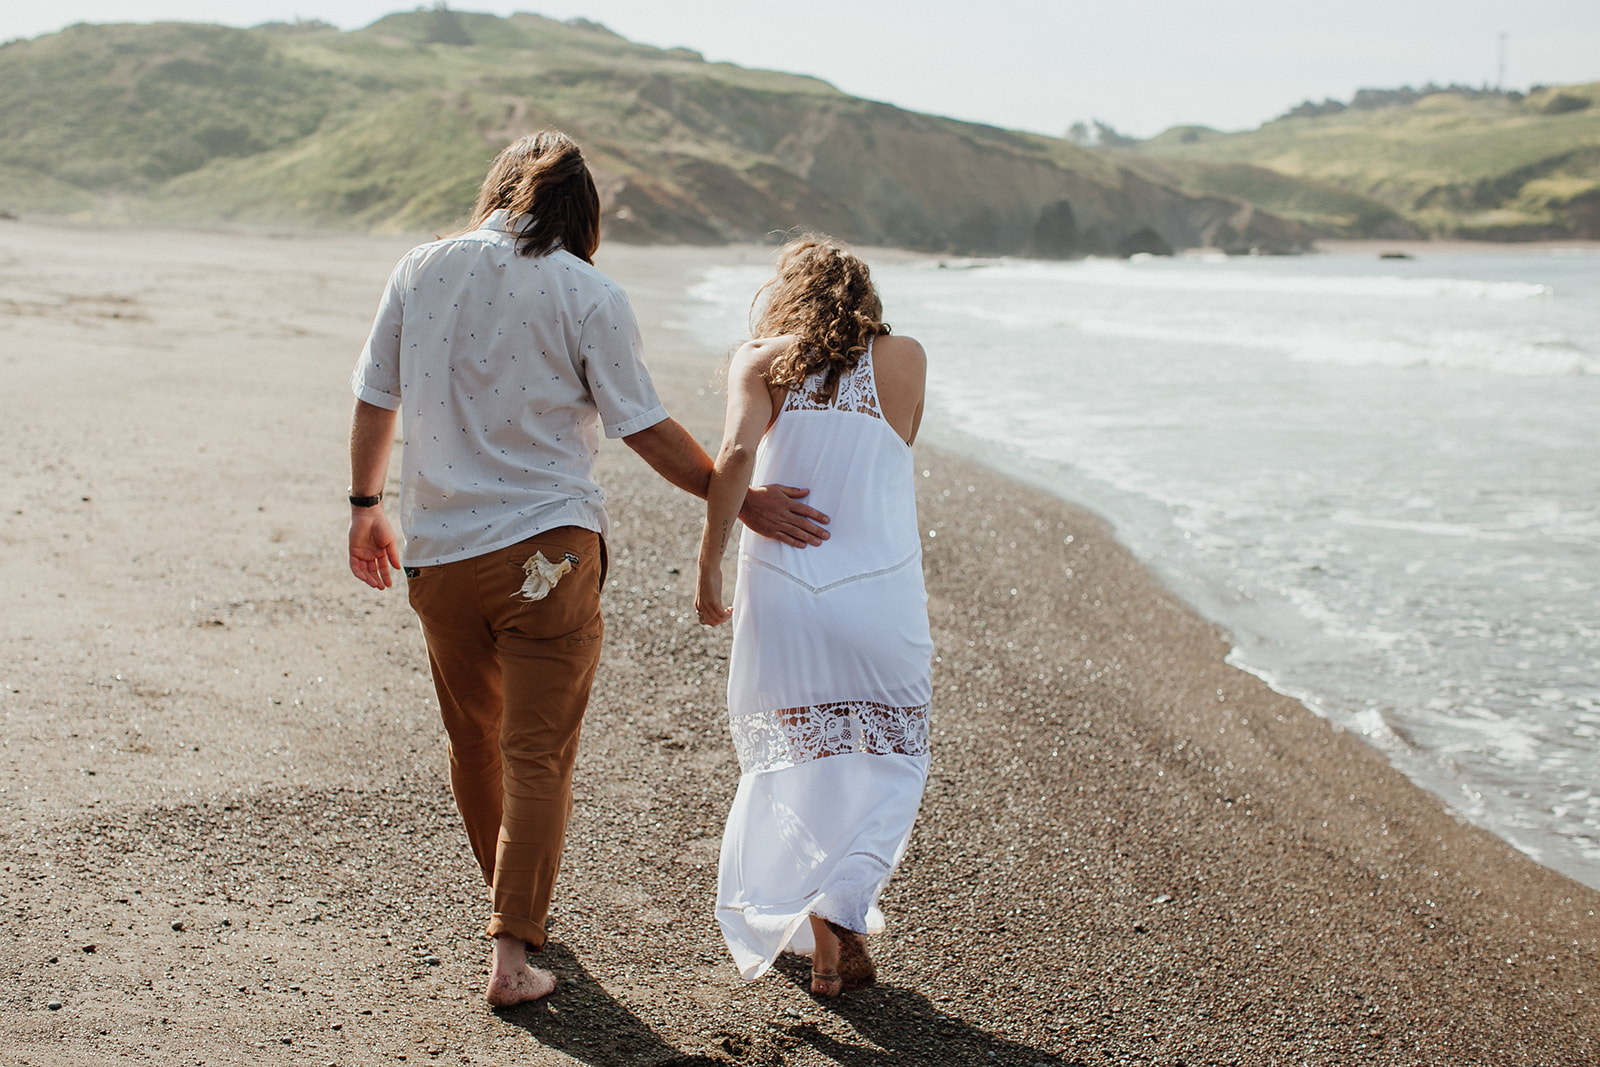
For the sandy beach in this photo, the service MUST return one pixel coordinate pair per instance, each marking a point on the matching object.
(228, 835)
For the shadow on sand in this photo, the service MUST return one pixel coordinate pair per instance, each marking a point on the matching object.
(906, 1028)
(585, 1022)
(903, 1027)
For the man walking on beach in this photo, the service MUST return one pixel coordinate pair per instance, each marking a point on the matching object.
(503, 353)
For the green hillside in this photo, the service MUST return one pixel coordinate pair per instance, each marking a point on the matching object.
(1326, 209)
(1505, 167)
(391, 128)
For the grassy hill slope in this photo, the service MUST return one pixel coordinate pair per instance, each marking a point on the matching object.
(1325, 208)
(391, 127)
(1448, 164)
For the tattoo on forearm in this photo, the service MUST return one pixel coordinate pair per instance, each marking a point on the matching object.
(722, 543)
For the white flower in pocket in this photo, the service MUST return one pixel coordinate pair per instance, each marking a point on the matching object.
(543, 575)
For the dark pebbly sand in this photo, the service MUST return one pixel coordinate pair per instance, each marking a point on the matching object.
(227, 835)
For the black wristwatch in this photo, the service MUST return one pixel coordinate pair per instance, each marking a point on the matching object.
(366, 501)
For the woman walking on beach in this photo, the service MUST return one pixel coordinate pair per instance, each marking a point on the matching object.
(828, 686)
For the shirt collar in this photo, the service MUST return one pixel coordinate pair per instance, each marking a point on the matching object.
(501, 220)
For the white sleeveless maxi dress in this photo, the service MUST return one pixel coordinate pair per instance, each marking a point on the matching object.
(828, 682)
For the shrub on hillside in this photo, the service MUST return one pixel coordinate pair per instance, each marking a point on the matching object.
(1561, 103)
(1313, 110)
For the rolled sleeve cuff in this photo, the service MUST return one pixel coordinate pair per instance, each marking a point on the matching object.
(377, 397)
(637, 423)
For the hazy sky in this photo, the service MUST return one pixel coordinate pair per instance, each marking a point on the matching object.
(1141, 65)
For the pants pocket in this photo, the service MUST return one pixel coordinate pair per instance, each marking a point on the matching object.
(571, 608)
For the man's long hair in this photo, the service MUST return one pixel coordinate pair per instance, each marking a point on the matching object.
(823, 295)
(543, 176)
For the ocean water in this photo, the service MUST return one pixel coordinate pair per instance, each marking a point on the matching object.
(1381, 476)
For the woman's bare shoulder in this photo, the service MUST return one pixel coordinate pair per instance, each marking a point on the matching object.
(756, 355)
(898, 351)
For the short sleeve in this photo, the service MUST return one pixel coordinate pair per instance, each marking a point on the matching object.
(612, 356)
(376, 379)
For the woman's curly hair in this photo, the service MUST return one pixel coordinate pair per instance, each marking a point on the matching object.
(823, 296)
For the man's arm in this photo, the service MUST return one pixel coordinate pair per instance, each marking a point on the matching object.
(672, 452)
(772, 511)
(373, 547)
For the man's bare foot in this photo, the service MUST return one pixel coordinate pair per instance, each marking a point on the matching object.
(511, 980)
(506, 990)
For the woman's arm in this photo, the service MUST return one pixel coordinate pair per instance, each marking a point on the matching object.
(749, 414)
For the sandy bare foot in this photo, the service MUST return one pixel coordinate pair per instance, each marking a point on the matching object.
(511, 980)
(855, 963)
(520, 986)
(825, 981)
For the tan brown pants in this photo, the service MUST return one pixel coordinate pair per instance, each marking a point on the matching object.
(513, 680)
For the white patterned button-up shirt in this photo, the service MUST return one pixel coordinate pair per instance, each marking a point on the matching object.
(504, 369)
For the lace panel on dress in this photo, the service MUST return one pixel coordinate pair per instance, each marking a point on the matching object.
(855, 392)
(789, 736)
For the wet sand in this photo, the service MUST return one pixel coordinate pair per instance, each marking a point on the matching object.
(228, 836)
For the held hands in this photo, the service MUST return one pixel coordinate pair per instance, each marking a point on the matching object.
(708, 595)
(768, 510)
(373, 548)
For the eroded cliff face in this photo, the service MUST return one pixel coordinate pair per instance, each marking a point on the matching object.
(874, 174)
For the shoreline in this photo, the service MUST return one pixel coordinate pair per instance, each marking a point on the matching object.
(1419, 766)
(1413, 246)
(1418, 248)
(224, 773)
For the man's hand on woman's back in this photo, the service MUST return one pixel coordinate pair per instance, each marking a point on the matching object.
(775, 511)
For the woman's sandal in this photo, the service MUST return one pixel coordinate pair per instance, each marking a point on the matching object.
(826, 983)
(855, 963)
